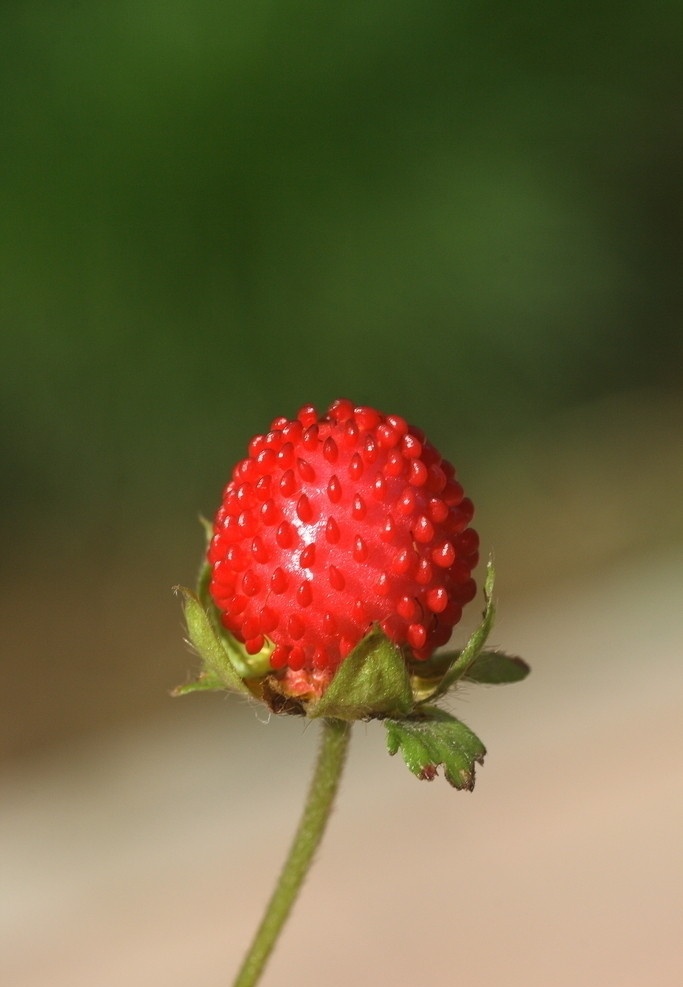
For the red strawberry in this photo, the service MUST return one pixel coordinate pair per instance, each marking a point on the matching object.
(333, 524)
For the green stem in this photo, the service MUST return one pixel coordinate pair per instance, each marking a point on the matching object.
(335, 741)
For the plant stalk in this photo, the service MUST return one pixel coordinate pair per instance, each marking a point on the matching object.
(324, 784)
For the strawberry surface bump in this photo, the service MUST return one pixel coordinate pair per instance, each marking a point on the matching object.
(337, 523)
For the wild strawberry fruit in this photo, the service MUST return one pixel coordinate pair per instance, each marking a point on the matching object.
(333, 524)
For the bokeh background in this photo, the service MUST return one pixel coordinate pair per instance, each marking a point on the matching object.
(467, 213)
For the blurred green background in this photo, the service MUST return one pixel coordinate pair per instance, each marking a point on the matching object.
(467, 213)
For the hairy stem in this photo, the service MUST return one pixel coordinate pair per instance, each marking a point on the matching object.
(334, 746)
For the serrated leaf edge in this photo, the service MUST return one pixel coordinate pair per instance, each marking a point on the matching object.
(465, 780)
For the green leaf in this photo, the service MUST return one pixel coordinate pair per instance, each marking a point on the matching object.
(212, 649)
(436, 739)
(371, 681)
(496, 668)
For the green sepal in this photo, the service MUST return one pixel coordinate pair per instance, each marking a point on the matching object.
(488, 668)
(496, 668)
(205, 683)
(433, 738)
(213, 649)
(203, 581)
(426, 676)
(443, 671)
(207, 526)
(204, 574)
(478, 639)
(371, 681)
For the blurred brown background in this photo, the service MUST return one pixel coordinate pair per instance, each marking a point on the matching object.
(469, 214)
